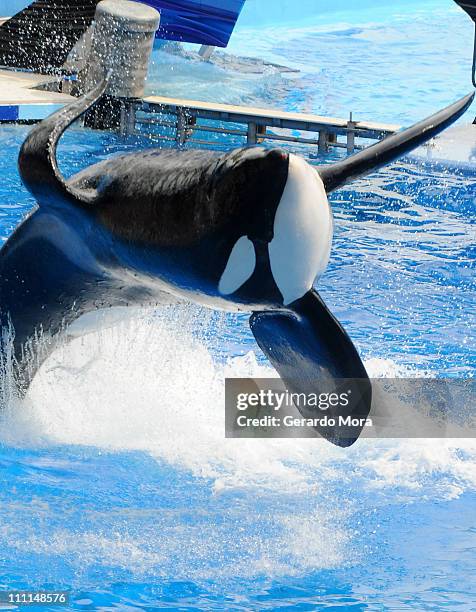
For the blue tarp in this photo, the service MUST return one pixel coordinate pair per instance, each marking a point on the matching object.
(208, 22)
(23, 36)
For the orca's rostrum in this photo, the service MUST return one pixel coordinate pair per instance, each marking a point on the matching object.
(250, 230)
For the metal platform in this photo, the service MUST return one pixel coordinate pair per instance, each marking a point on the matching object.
(24, 96)
(257, 124)
(21, 100)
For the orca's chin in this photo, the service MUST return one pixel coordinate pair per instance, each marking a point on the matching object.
(303, 229)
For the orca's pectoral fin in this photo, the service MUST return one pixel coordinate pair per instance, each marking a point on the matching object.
(391, 148)
(314, 355)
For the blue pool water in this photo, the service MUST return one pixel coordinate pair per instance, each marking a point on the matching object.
(117, 482)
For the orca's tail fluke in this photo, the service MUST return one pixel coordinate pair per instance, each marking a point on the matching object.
(391, 148)
(62, 22)
(37, 160)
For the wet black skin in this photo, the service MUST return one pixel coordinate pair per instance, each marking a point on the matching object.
(176, 216)
(161, 228)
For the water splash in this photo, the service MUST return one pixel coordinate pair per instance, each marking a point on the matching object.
(153, 383)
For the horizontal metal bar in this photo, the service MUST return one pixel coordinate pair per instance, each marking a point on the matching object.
(201, 142)
(283, 138)
(337, 145)
(208, 128)
(154, 136)
(155, 122)
(225, 131)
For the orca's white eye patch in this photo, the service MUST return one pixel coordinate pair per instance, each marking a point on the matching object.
(303, 227)
(241, 265)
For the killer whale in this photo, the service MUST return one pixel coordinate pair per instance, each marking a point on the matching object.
(249, 230)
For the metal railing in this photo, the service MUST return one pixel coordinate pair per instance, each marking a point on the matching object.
(182, 120)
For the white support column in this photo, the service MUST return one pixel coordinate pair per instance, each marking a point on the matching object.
(206, 51)
(122, 42)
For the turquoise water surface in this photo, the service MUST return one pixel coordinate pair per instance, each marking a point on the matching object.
(117, 482)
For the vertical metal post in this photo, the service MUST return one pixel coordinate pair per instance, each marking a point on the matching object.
(131, 126)
(206, 51)
(322, 146)
(251, 138)
(181, 135)
(350, 135)
(123, 119)
(128, 118)
(261, 133)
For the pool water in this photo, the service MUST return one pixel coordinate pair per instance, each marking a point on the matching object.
(117, 482)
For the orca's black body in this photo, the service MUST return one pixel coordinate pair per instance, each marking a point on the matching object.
(469, 6)
(246, 231)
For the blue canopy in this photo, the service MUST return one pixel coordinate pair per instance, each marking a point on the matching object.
(209, 22)
(23, 36)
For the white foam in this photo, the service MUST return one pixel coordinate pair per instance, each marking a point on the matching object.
(183, 551)
(152, 384)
